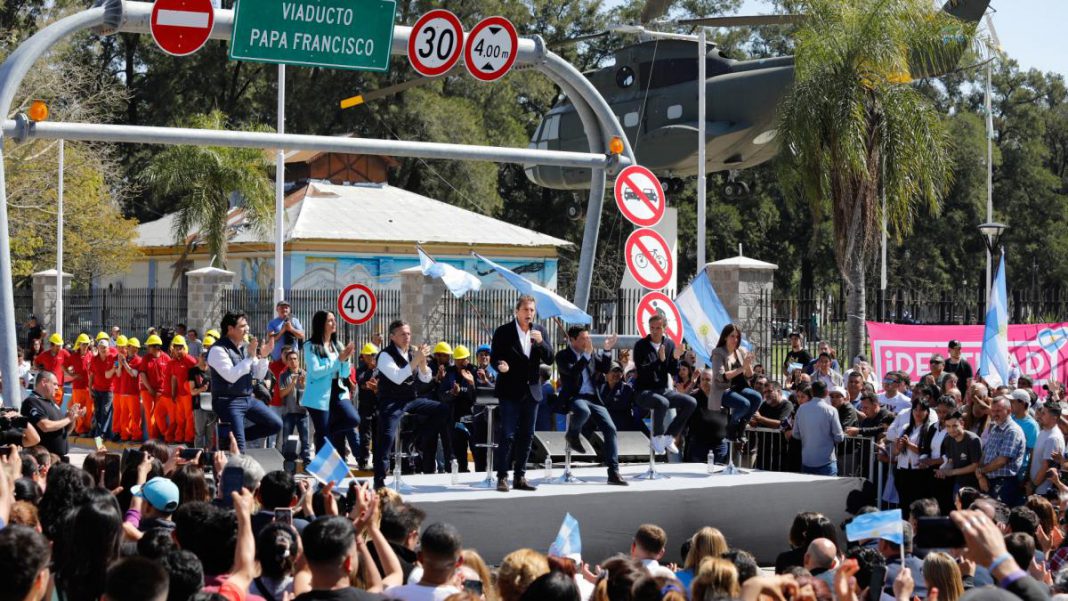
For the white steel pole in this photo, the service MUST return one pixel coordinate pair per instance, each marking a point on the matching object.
(58, 327)
(989, 170)
(701, 183)
(279, 190)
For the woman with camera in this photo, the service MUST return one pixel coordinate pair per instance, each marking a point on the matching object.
(325, 395)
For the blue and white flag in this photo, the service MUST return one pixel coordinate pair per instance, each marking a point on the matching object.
(328, 466)
(994, 361)
(457, 281)
(703, 317)
(568, 541)
(550, 304)
(886, 525)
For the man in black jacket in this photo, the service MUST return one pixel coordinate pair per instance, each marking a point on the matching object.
(580, 368)
(519, 349)
(656, 358)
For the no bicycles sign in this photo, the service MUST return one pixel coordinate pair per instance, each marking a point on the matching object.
(649, 259)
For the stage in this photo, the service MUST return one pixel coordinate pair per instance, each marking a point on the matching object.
(754, 511)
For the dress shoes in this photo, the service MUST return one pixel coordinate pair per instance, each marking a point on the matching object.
(575, 442)
(502, 485)
(615, 479)
(522, 484)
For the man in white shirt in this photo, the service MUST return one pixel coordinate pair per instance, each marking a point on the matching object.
(439, 555)
(1050, 440)
(892, 397)
(648, 547)
(233, 367)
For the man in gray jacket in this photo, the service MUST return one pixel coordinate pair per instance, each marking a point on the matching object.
(816, 425)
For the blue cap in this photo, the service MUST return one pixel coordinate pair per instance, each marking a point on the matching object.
(485, 348)
(160, 492)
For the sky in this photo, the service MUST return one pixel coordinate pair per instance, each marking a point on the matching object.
(1032, 31)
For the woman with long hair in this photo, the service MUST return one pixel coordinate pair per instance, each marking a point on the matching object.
(706, 542)
(733, 367)
(325, 395)
(85, 545)
(941, 571)
(911, 478)
(716, 578)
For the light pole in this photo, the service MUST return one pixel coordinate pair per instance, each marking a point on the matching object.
(992, 233)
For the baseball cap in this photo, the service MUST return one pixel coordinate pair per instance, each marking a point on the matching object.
(282, 303)
(954, 344)
(482, 348)
(837, 390)
(160, 492)
(1021, 395)
(616, 366)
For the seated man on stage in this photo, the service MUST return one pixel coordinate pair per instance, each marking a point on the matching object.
(655, 358)
(579, 367)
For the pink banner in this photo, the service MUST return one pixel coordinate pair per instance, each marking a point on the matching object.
(1040, 350)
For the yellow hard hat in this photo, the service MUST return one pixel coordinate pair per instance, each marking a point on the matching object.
(208, 341)
(178, 340)
(121, 340)
(55, 338)
(213, 333)
(82, 339)
(102, 336)
(460, 352)
(153, 340)
(369, 349)
(442, 347)
(131, 341)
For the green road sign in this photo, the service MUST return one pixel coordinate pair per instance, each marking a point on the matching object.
(339, 34)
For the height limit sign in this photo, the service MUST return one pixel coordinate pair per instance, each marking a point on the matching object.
(491, 47)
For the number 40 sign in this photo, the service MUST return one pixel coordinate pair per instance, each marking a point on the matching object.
(356, 304)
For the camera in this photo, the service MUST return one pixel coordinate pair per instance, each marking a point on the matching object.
(12, 421)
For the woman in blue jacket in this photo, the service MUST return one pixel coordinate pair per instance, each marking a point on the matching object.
(325, 395)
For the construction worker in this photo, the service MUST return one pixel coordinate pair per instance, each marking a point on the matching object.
(367, 381)
(103, 369)
(129, 383)
(55, 359)
(178, 370)
(153, 377)
(78, 371)
(204, 420)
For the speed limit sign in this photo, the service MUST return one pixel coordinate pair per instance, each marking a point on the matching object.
(356, 304)
(435, 43)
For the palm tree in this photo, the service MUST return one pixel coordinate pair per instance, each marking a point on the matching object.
(852, 127)
(204, 179)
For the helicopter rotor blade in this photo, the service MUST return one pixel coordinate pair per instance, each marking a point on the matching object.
(390, 90)
(654, 9)
(744, 21)
(579, 39)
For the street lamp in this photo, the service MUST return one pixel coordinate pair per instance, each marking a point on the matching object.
(992, 233)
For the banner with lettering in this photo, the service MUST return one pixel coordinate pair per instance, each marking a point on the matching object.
(1037, 350)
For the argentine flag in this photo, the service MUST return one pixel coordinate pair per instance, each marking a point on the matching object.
(703, 317)
(458, 282)
(328, 466)
(994, 361)
(568, 543)
(881, 524)
(550, 304)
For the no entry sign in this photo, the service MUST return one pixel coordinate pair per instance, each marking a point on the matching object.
(658, 303)
(356, 304)
(435, 43)
(639, 196)
(180, 27)
(490, 50)
(649, 259)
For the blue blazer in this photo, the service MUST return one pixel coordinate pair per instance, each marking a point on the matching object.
(321, 372)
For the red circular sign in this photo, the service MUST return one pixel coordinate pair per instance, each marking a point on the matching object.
(649, 258)
(491, 48)
(180, 27)
(658, 302)
(639, 196)
(356, 304)
(435, 43)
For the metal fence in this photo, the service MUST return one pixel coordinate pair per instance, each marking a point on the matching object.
(768, 449)
(132, 309)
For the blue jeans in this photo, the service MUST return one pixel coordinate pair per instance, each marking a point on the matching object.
(437, 421)
(234, 411)
(299, 422)
(743, 406)
(831, 469)
(102, 413)
(517, 430)
(660, 402)
(335, 423)
(581, 411)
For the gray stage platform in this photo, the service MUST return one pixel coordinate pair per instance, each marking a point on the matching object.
(754, 511)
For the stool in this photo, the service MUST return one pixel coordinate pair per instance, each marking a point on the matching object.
(490, 481)
(398, 461)
(567, 477)
(730, 469)
(651, 473)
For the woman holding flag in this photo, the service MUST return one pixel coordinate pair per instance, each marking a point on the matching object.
(325, 395)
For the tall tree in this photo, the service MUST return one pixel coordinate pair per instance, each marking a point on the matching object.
(852, 129)
(204, 179)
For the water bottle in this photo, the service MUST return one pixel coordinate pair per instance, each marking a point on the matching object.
(711, 462)
(454, 471)
(548, 467)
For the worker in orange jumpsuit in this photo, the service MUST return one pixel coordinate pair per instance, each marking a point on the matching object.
(78, 371)
(155, 387)
(178, 372)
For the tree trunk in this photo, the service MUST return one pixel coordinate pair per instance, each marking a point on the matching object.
(856, 304)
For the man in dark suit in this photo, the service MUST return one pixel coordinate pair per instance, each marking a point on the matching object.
(656, 358)
(518, 350)
(580, 369)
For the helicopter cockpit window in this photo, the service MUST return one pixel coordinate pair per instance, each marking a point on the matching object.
(625, 77)
(673, 71)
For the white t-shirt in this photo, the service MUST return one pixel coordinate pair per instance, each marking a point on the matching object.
(421, 592)
(1048, 442)
(896, 403)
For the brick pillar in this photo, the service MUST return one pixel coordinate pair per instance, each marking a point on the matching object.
(421, 305)
(44, 298)
(205, 289)
(739, 282)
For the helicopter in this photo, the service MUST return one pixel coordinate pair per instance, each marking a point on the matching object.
(651, 89)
